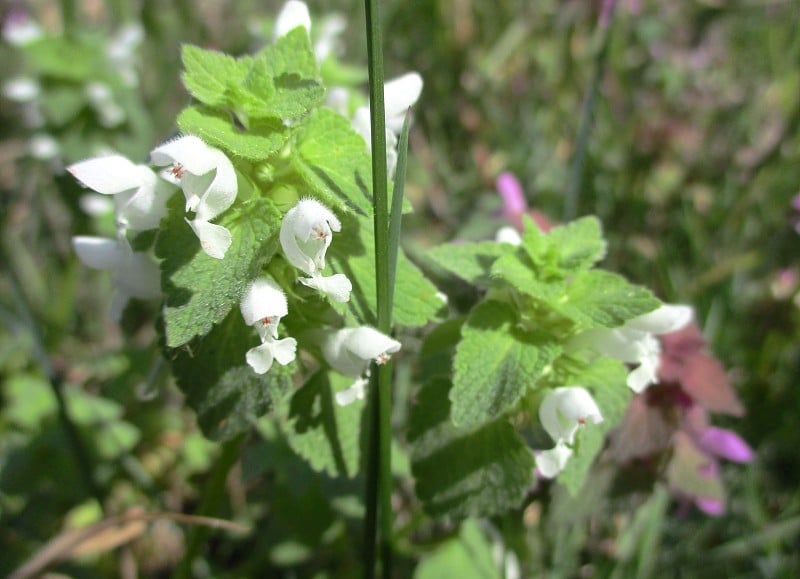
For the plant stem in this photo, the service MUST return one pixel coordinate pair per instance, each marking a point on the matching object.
(379, 428)
(575, 182)
(212, 496)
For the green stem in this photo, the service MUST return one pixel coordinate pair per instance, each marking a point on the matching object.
(379, 429)
(576, 172)
(212, 497)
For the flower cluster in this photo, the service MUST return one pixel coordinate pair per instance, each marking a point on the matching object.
(672, 419)
(208, 181)
(305, 236)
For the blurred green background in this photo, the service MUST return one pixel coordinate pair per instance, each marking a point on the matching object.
(691, 160)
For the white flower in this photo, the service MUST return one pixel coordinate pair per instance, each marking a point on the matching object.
(337, 287)
(551, 462)
(22, 89)
(327, 41)
(110, 114)
(134, 274)
(349, 351)
(263, 305)
(399, 95)
(562, 412)
(293, 14)
(306, 234)
(20, 29)
(508, 234)
(43, 147)
(635, 342)
(140, 197)
(121, 51)
(208, 181)
(357, 391)
(566, 409)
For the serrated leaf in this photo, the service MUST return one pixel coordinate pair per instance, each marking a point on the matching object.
(284, 79)
(579, 244)
(468, 556)
(471, 262)
(333, 160)
(200, 290)
(495, 363)
(607, 380)
(324, 433)
(226, 394)
(257, 143)
(415, 298)
(208, 74)
(603, 299)
(513, 269)
(465, 472)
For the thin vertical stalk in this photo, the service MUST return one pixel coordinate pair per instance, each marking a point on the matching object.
(575, 183)
(379, 428)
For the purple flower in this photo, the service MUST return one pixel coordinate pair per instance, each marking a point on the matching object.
(510, 190)
(725, 444)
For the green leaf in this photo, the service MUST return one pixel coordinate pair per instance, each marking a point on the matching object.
(513, 269)
(579, 244)
(471, 262)
(226, 394)
(282, 81)
(607, 380)
(352, 253)
(61, 104)
(321, 431)
(257, 143)
(200, 290)
(334, 162)
(208, 74)
(495, 363)
(602, 299)
(465, 472)
(468, 556)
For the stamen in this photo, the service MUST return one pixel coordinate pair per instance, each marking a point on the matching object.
(381, 359)
(177, 171)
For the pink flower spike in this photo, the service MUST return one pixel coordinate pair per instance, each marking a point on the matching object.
(510, 190)
(711, 507)
(796, 202)
(726, 444)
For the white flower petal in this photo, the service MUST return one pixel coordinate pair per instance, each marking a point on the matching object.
(190, 152)
(551, 462)
(508, 234)
(337, 287)
(355, 392)
(221, 193)
(98, 252)
(349, 351)
(293, 14)
(400, 94)
(564, 409)
(666, 319)
(263, 299)
(108, 175)
(119, 299)
(145, 207)
(21, 89)
(285, 351)
(214, 239)
(260, 358)
(306, 233)
(138, 276)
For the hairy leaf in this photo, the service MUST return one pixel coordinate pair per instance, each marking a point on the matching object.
(200, 290)
(495, 363)
(463, 472)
